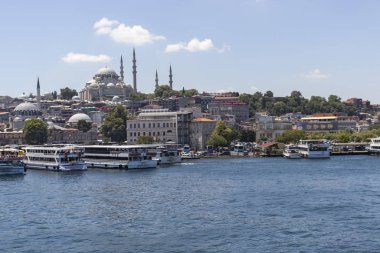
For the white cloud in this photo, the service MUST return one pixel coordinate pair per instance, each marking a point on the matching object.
(314, 75)
(122, 33)
(74, 58)
(194, 45)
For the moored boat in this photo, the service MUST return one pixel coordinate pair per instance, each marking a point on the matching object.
(11, 162)
(166, 156)
(55, 158)
(374, 146)
(119, 156)
(292, 152)
(314, 148)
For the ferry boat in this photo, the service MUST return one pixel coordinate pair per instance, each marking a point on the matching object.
(11, 162)
(167, 156)
(374, 146)
(292, 152)
(119, 157)
(55, 158)
(314, 148)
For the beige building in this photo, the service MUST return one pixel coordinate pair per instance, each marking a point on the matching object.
(270, 127)
(161, 124)
(200, 132)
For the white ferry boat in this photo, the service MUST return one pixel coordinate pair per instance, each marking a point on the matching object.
(314, 148)
(119, 157)
(374, 146)
(167, 156)
(292, 152)
(11, 162)
(56, 158)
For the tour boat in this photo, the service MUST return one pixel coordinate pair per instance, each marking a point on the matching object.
(11, 162)
(119, 157)
(166, 156)
(292, 152)
(314, 148)
(56, 158)
(374, 146)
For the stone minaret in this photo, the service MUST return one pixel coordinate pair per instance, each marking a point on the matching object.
(170, 77)
(134, 72)
(156, 79)
(121, 69)
(38, 94)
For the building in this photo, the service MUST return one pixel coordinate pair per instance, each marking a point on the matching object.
(270, 127)
(22, 113)
(13, 137)
(200, 132)
(184, 119)
(327, 123)
(71, 133)
(238, 109)
(160, 124)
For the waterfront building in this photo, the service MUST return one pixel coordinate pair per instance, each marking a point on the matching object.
(327, 123)
(160, 124)
(200, 132)
(270, 127)
(12, 137)
(184, 119)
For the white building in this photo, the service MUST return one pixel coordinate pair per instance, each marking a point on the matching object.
(161, 124)
(270, 127)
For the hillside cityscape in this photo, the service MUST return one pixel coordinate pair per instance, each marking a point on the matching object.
(108, 110)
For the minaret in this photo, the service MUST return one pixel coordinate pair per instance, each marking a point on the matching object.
(170, 77)
(156, 79)
(121, 69)
(134, 72)
(38, 94)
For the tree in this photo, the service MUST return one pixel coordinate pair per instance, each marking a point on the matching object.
(84, 126)
(291, 136)
(217, 141)
(247, 136)
(68, 94)
(145, 140)
(164, 91)
(36, 132)
(114, 125)
(55, 95)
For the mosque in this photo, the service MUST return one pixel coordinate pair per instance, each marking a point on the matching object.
(108, 85)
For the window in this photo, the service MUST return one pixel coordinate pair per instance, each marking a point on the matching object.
(171, 124)
(143, 133)
(158, 124)
(163, 133)
(149, 125)
(130, 125)
(150, 134)
(174, 124)
(154, 125)
(143, 125)
(138, 134)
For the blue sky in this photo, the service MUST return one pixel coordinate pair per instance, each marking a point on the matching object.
(316, 47)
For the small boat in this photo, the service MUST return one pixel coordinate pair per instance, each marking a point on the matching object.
(314, 148)
(292, 152)
(11, 162)
(55, 158)
(165, 156)
(374, 146)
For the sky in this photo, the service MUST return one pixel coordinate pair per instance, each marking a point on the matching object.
(317, 47)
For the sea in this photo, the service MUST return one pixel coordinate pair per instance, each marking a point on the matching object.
(205, 205)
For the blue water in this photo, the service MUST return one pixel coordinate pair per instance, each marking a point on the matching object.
(215, 205)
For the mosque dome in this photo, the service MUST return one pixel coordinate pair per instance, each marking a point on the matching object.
(110, 85)
(105, 71)
(75, 98)
(115, 99)
(17, 119)
(26, 107)
(79, 116)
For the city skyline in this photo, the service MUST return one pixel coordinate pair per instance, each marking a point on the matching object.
(318, 48)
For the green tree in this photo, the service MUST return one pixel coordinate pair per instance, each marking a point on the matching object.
(217, 140)
(164, 91)
(84, 126)
(68, 94)
(36, 132)
(114, 125)
(292, 136)
(145, 140)
(55, 95)
(247, 136)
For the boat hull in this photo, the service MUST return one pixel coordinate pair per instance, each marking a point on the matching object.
(56, 167)
(6, 170)
(126, 165)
